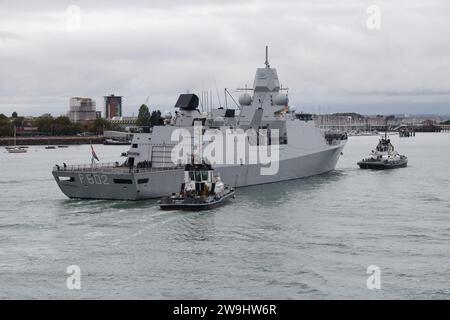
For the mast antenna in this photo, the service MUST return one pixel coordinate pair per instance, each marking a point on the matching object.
(386, 129)
(267, 57)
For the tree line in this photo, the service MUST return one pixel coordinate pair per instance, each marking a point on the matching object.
(147, 120)
(48, 125)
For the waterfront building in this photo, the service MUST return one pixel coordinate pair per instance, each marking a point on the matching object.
(113, 106)
(82, 110)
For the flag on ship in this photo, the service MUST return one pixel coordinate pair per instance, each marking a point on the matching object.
(94, 155)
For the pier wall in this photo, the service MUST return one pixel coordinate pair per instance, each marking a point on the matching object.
(56, 140)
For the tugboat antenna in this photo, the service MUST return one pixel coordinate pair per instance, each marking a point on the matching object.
(386, 129)
(267, 57)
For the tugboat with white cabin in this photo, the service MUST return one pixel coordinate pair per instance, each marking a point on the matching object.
(384, 156)
(201, 190)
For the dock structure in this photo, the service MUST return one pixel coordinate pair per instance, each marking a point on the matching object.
(55, 140)
(351, 122)
(348, 123)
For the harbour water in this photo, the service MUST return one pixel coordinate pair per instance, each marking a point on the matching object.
(311, 238)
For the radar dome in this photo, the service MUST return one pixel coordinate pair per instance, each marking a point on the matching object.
(292, 109)
(281, 99)
(245, 99)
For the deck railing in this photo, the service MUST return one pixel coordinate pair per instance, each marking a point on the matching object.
(111, 167)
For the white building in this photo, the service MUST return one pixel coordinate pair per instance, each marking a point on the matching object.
(82, 110)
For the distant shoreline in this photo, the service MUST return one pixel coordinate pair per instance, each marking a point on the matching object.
(52, 140)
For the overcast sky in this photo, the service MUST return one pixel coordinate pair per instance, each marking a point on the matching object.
(323, 51)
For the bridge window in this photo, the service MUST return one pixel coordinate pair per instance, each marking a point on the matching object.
(134, 145)
(142, 181)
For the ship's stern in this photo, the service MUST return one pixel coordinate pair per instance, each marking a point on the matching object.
(96, 185)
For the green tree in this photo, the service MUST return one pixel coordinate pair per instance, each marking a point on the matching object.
(14, 115)
(99, 125)
(3, 117)
(6, 128)
(44, 123)
(62, 126)
(156, 119)
(18, 121)
(143, 116)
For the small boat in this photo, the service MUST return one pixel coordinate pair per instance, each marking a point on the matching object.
(200, 190)
(50, 146)
(384, 157)
(116, 142)
(16, 148)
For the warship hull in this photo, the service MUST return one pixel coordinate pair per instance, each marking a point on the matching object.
(122, 184)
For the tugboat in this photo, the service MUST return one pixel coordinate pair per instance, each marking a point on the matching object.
(200, 190)
(384, 156)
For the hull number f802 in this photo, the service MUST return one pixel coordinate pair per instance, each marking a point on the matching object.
(89, 178)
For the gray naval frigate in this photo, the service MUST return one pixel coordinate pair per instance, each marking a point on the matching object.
(149, 171)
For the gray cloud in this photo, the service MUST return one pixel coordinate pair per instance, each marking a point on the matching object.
(323, 51)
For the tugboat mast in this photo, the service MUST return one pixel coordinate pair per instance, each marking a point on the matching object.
(386, 129)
